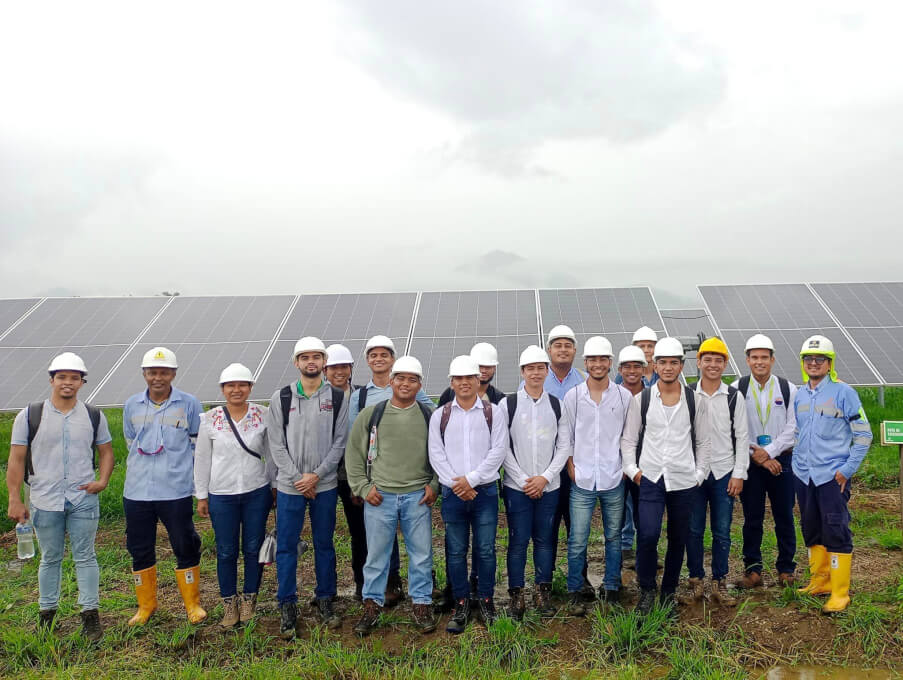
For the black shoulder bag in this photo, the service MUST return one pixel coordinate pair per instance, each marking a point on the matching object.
(238, 438)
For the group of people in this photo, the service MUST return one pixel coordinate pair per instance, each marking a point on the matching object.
(625, 432)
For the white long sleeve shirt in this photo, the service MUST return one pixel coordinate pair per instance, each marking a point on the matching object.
(780, 418)
(725, 458)
(534, 433)
(667, 451)
(469, 449)
(593, 435)
(221, 465)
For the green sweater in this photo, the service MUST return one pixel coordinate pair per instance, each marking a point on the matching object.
(402, 463)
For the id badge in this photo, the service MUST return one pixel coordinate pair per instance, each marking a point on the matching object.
(763, 439)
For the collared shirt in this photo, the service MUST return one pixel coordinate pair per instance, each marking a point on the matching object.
(727, 457)
(647, 382)
(62, 453)
(594, 435)
(493, 394)
(221, 465)
(166, 432)
(833, 432)
(780, 418)
(533, 433)
(469, 449)
(667, 450)
(374, 396)
(558, 388)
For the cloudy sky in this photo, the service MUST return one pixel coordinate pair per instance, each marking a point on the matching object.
(400, 145)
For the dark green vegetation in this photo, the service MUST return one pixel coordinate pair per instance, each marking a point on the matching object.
(769, 627)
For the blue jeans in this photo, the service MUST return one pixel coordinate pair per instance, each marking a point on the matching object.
(289, 522)
(583, 503)
(628, 532)
(478, 517)
(712, 495)
(51, 527)
(382, 523)
(529, 518)
(231, 515)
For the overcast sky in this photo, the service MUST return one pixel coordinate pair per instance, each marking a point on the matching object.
(402, 145)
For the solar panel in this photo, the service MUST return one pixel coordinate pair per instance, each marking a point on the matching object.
(872, 313)
(689, 323)
(449, 323)
(788, 314)
(12, 310)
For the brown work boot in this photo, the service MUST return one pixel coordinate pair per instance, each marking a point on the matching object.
(248, 607)
(424, 618)
(751, 579)
(91, 627)
(542, 600)
(787, 580)
(517, 606)
(696, 594)
(230, 612)
(394, 590)
(369, 619)
(721, 595)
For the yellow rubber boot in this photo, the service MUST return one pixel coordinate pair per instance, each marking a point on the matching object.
(189, 587)
(819, 575)
(146, 590)
(841, 564)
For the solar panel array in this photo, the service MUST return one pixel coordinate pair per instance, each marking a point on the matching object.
(864, 320)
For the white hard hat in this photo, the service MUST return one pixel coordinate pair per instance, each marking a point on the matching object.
(380, 341)
(597, 346)
(818, 344)
(645, 333)
(485, 354)
(408, 364)
(668, 347)
(68, 361)
(533, 355)
(309, 344)
(759, 341)
(338, 354)
(463, 365)
(561, 332)
(632, 353)
(236, 373)
(159, 357)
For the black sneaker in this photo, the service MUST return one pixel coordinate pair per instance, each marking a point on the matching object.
(587, 592)
(646, 602)
(443, 602)
(369, 619)
(610, 596)
(45, 618)
(91, 627)
(458, 620)
(576, 605)
(327, 612)
(487, 610)
(289, 619)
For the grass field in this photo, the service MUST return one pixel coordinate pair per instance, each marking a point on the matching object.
(770, 627)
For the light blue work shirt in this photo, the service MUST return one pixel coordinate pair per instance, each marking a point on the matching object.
(62, 454)
(170, 428)
(832, 432)
(375, 395)
(647, 382)
(558, 388)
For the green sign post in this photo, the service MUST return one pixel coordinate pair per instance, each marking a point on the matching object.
(892, 433)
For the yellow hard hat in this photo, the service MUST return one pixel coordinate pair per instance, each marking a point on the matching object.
(713, 345)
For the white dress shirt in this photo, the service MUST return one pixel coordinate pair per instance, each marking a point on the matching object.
(726, 459)
(780, 418)
(593, 435)
(534, 432)
(469, 450)
(221, 465)
(667, 450)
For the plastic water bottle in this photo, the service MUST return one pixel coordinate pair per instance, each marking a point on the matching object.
(25, 540)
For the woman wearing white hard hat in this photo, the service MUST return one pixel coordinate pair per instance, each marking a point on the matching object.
(232, 482)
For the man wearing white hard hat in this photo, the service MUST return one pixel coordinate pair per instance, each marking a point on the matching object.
(645, 338)
(594, 414)
(488, 358)
(161, 425)
(380, 354)
(632, 364)
(467, 446)
(307, 426)
(833, 436)
(52, 449)
(233, 474)
(665, 455)
(533, 465)
(772, 432)
(388, 465)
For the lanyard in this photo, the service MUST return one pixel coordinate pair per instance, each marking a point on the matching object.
(764, 420)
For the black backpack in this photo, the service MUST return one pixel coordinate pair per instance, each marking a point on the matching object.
(511, 403)
(285, 400)
(33, 414)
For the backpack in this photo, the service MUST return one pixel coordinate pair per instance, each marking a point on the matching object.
(511, 403)
(446, 415)
(361, 398)
(285, 400)
(33, 414)
(743, 386)
(377, 415)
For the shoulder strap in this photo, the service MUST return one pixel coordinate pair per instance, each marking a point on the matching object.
(361, 398)
(785, 392)
(427, 414)
(443, 421)
(511, 406)
(645, 398)
(555, 402)
(241, 442)
(285, 400)
(691, 407)
(743, 386)
(377, 415)
(487, 414)
(731, 405)
(338, 396)
(94, 415)
(34, 412)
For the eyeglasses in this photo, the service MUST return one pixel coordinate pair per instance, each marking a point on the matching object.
(816, 359)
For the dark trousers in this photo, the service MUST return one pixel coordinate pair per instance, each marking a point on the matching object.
(653, 500)
(239, 520)
(354, 516)
(563, 512)
(141, 519)
(779, 490)
(824, 516)
(528, 519)
(476, 519)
